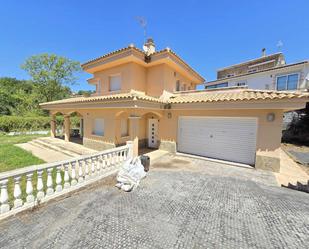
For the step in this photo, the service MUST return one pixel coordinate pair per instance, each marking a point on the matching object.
(69, 146)
(55, 148)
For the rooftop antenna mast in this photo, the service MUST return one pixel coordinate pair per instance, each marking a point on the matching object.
(143, 22)
(279, 45)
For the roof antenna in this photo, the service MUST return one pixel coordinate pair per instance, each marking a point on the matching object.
(279, 45)
(143, 22)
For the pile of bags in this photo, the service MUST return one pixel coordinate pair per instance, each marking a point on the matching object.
(130, 175)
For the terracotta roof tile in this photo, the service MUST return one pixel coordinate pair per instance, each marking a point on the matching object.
(234, 95)
(133, 95)
(190, 97)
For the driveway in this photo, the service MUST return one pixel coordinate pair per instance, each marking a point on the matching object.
(183, 203)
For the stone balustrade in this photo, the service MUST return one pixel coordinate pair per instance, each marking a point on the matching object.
(47, 181)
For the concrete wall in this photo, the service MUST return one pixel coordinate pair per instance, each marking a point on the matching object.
(267, 80)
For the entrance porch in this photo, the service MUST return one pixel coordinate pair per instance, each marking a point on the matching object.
(103, 129)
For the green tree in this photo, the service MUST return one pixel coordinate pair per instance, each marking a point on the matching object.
(51, 75)
(16, 97)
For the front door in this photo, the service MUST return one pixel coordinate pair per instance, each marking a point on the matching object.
(153, 133)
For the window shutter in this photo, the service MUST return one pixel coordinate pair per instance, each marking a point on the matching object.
(98, 128)
(115, 83)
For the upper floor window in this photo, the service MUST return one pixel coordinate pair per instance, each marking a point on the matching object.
(98, 87)
(217, 86)
(115, 83)
(98, 127)
(177, 85)
(252, 70)
(287, 82)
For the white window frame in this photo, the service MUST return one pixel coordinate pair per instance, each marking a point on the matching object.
(286, 82)
(124, 131)
(109, 82)
(94, 126)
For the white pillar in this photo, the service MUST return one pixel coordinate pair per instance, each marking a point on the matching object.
(49, 183)
(4, 197)
(130, 152)
(17, 193)
(29, 189)
(58, 179)
(40, 186)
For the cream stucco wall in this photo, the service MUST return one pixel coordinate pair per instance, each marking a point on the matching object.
(152, 80)
(133, 76)
(163, 77)
(268, 133)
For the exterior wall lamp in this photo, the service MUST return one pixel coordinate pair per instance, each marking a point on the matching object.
(270, 117)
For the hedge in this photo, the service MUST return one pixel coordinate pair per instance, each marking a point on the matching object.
(19, 123)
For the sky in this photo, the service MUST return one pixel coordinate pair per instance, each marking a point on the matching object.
(207, 34)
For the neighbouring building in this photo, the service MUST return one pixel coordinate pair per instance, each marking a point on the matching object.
(149, 97)
(269, 72)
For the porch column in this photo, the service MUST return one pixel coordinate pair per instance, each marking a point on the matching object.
(53, 126)
(67, 128)
(134, 131)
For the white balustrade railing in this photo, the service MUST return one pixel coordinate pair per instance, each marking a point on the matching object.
(26, 187)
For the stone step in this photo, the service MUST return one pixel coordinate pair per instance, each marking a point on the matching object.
(69, 146)
(47, 145)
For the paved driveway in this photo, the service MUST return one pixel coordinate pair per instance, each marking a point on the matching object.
(181, 204)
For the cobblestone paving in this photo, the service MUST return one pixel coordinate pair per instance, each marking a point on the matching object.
(205, 207)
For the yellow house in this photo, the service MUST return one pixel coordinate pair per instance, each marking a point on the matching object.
(150, 97)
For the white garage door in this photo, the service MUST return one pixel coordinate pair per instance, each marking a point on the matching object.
(231, 139)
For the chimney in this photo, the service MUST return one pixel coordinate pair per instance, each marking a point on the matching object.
(263, 52)
(149, 47)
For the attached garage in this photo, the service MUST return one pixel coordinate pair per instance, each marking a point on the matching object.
(226, 138)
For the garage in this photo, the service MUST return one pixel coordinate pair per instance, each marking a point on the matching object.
(226, 138)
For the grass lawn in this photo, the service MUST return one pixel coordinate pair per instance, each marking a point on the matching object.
(13, 157)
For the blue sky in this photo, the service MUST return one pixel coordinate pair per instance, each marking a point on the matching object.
(206, 34)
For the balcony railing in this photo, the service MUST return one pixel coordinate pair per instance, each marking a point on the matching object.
(28, 187)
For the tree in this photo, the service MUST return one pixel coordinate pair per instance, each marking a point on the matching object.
(16, 97)
(51, 75)
(298, 130)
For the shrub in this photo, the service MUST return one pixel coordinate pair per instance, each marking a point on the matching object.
(19, 123)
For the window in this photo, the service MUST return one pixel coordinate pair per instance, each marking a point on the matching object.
(115, 83)
(217, 86)
(252, 70)
(98, 127)
(124, 127)
(241, 84)
(287, 82)
(98, 90)
(177, 85)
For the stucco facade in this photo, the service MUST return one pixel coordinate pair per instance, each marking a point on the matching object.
(148, 106)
